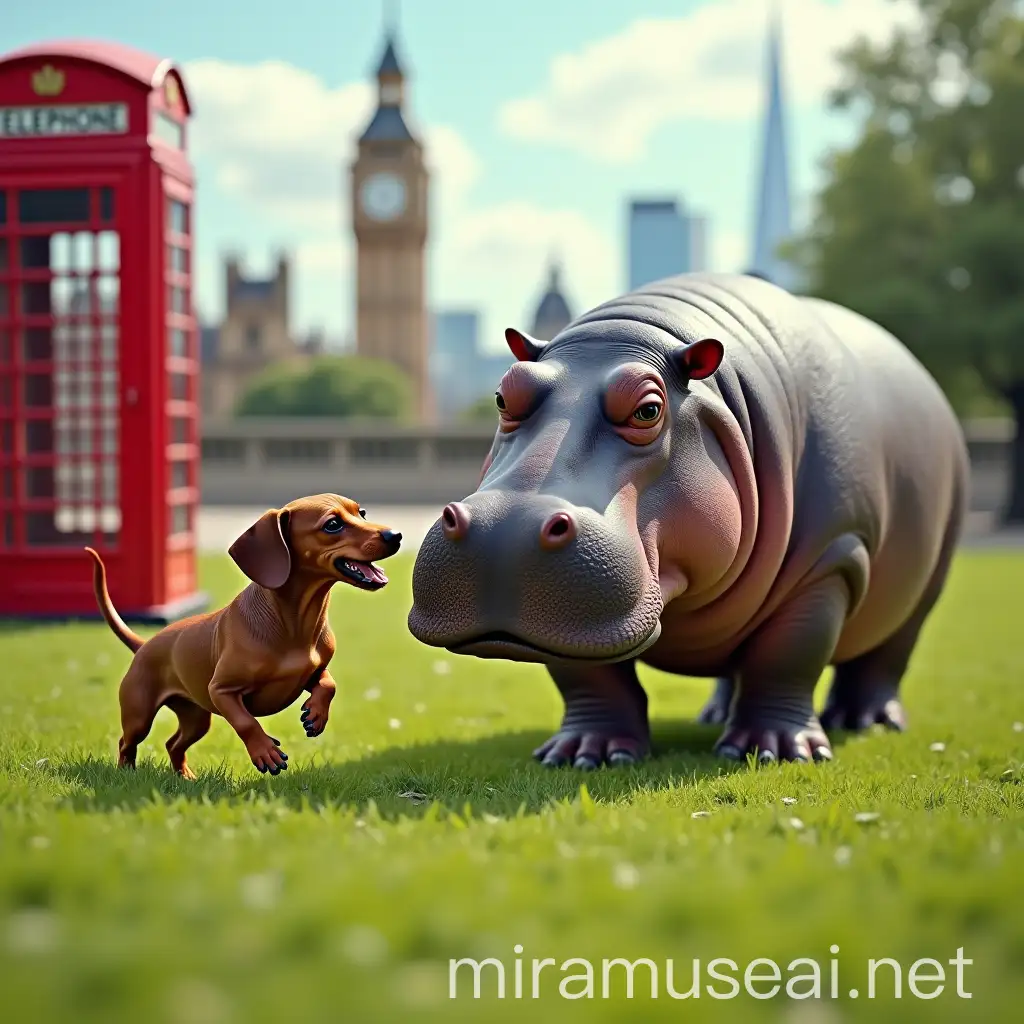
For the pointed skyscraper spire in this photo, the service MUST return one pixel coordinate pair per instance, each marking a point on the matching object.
(773, 225)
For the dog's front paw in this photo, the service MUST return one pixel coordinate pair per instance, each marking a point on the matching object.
(267, 755)
(313, 718)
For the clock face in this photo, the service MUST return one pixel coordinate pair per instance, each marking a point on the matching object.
(383, 196)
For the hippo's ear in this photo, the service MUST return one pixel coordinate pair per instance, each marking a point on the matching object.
(524, 348)
(700, 359)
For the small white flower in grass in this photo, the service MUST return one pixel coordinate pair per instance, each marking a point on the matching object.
(441, 667)
(364, 946)
(796, 824)
(394, 723)
(492, 819)
(420, 708)
(937, 748)
(866, 817)
(373, 693)
(1018, 726)
(789, 800)
(701, 814)
(843, 856)
(42, 761)
(625, 876)
(32, 930)
(39, 842)
(261, 891)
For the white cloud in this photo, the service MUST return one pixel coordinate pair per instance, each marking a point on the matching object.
(278, 141)
(607, 99)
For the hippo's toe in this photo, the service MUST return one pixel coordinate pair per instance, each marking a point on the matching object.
(590, 750)
(769, 745)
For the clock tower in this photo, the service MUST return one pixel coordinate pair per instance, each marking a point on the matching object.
(389, 217)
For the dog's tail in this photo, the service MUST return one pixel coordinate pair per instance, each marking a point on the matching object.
(99, 585)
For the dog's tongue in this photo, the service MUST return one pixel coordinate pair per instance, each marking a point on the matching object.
(375, 574)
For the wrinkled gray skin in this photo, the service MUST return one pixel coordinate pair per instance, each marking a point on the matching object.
(797, 507)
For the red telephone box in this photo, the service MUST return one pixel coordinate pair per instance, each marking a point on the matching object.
(99, 439)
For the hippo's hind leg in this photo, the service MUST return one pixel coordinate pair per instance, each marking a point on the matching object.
(605, 717)
(865, 690)
(716, 710)
(772, 713)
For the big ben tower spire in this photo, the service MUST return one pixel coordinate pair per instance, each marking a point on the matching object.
(389, 216)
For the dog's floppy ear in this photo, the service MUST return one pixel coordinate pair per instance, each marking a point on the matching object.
(262, 552)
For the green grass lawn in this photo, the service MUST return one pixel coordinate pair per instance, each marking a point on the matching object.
(417, 830)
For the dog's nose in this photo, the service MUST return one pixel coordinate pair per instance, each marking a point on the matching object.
(391, 537)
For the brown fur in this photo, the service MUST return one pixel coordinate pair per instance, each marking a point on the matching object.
(256, 655)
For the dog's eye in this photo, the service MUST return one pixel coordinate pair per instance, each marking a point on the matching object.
(333, 525)
(362, 512)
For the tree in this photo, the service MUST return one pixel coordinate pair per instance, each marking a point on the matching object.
(482, 410)
(921, 223)
(342, 386)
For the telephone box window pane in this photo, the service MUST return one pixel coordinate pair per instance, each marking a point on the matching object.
(177, 215)
(39, 482)
(181, 519)
(35, 251)
(5, 299)
(6, 397)
(3, 254)
(44, 529)
(51, 205)
(109, 243)
(109, 288)
(38, 390)
(179, 387)
(35, 298)
(3, 207)
(179, 475)
(108, 386)
(178, 342)
(5, 346)
(179, 430)
(39, 437)
(7, 484)
(81, 252)
(6, 436)
(60, 253)
(108, 340)
(8, 535)
(169, 130)
(106, 204)
(38, 344)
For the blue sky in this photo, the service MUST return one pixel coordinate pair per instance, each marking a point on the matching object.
(539, 118)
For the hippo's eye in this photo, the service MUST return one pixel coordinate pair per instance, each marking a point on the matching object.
(648, 412)
(333, 525)
(499, 401)
(362, 512)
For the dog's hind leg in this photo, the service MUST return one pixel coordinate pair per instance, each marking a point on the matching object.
(139, 705)
(193, 725)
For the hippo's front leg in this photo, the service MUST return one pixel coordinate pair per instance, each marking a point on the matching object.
(605, 717)
(779, 667)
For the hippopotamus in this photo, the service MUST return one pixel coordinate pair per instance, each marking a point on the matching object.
(718, 478)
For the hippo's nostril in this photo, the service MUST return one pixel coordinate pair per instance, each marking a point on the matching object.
(558, 531)
(455, 520)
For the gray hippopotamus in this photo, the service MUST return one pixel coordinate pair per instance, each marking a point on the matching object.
(718, 478)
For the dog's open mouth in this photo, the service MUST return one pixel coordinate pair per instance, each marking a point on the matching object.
(361, 574)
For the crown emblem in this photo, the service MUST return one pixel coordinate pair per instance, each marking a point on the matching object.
(48, 81)
(172, 94)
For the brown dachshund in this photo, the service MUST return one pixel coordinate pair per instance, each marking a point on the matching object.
(256, 655)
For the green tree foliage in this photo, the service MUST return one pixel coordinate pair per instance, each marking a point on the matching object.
(341, 386)
(921, 223)
(482, 410)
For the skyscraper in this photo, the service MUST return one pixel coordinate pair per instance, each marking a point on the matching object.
(662, 240)
(773, 225)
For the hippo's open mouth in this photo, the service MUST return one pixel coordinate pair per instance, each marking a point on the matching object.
(364, 575)
(508, 646)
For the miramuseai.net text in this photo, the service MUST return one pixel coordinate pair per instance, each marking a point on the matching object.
(718, 978)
